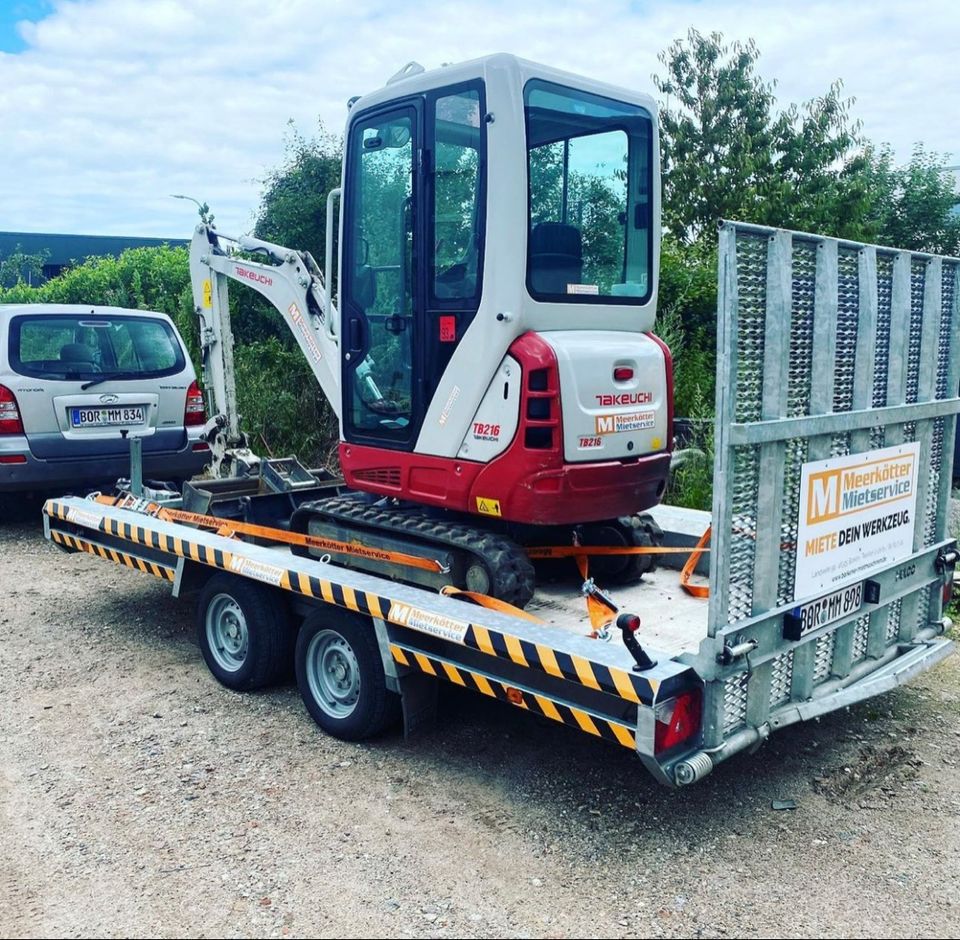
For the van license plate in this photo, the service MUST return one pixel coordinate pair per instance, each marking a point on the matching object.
(808, 617)
(107, 417)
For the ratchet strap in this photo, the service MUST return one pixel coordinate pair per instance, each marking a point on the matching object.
(598, 606)
(491, 603)
(695, 590)
(230, 528)
(583, 551)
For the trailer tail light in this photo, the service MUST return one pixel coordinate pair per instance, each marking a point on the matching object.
(678, 720)
(10, 422)
(194, 413)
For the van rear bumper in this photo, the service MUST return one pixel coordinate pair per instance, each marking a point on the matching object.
(83, 472)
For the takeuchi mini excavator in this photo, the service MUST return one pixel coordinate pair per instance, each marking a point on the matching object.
(490, 357)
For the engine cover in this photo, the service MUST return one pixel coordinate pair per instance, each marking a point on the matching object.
(615, 393)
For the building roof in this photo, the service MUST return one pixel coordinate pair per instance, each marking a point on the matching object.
(64, 249)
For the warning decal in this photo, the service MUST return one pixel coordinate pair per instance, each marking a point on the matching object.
(489, 507)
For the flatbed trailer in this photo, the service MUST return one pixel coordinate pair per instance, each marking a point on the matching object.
(829, 565)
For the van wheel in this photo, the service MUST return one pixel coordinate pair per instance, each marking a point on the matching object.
(340, 676)
(244, 632)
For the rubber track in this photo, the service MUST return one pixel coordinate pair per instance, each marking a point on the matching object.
(511, 571)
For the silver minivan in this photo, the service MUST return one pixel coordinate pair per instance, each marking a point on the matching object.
(76, 381)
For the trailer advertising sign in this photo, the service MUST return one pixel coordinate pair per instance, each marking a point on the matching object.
(857, 515)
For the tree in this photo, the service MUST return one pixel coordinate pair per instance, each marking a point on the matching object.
(22, 267)
(728, 152)
(914, 206)
(293, 208)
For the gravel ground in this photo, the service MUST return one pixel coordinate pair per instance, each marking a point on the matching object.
(138, 797)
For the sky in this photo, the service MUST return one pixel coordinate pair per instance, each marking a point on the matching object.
(109, 106)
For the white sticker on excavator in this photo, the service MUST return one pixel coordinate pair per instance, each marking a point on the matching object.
(448, 407)
(635, 421)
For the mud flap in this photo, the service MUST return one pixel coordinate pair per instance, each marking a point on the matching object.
(418, 696)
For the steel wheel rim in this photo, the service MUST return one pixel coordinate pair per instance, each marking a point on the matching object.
(227, 634)
(333, 674)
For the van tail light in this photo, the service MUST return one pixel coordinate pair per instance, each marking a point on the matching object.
(678, 720)
(10, 422)
(194, 413)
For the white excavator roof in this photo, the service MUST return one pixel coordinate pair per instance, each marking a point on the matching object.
(413, 79)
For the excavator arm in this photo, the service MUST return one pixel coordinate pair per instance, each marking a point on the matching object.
(292, 282)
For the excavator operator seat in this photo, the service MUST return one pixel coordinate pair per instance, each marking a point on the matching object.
(556, 257)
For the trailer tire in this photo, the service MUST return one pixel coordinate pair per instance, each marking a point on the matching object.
(340, 676)
(244, 632)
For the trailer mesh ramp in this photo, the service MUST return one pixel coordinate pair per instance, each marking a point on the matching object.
(838, 364)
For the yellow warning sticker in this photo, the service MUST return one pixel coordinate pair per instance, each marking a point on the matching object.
(207, 294)
(489, 507)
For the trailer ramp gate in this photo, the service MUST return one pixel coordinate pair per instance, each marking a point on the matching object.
(828, 349)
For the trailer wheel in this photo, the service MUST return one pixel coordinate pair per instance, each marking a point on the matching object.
(341, 678)
(244, 632)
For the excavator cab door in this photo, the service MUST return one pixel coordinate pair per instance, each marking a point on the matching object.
(412, 256)
(380, 279)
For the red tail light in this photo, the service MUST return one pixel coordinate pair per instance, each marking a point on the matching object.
(678, 720)
(947, 593)
(10, 422)
(194, 413)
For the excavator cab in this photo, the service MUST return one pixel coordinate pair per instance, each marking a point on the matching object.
(490, 356)
(499, 233)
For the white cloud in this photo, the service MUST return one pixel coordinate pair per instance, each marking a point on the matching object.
(117, 103)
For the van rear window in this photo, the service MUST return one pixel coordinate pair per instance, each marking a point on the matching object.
(86, 347)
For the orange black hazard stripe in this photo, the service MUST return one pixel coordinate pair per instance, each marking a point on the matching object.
(567, 666)
(532, 701)
(110, 554)
(609, 679)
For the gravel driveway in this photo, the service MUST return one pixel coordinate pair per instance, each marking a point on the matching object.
(138, 797)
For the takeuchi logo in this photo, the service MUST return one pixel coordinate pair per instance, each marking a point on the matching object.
(834, 493)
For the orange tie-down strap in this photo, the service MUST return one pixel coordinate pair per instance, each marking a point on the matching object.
(695, 590)
(582, 553)
(230, 528)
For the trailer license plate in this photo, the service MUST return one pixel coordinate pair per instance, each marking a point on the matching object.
(107, 417)
(808, 617)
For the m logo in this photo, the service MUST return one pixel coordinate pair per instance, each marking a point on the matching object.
(823, 496)
(605, 424)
